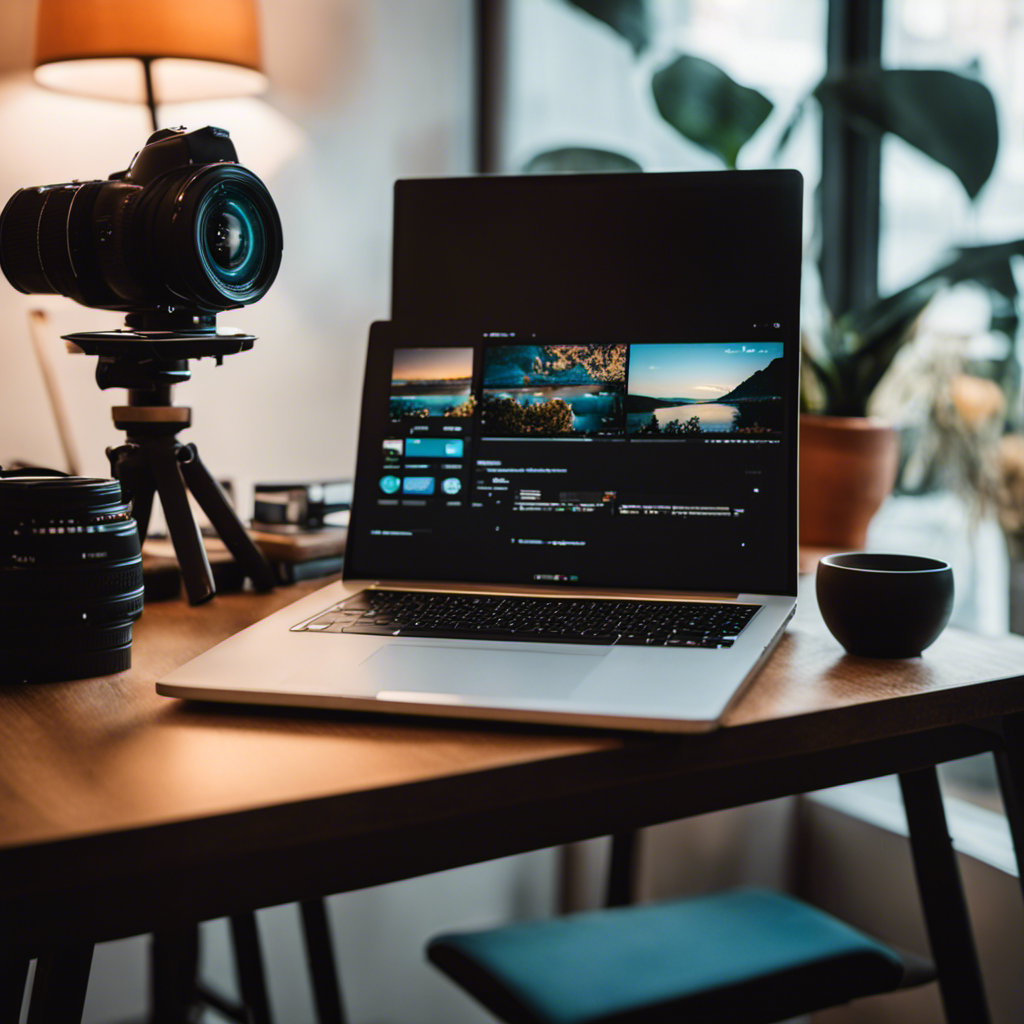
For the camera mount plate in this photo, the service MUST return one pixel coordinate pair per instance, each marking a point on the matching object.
(163, 346)
(153, 359)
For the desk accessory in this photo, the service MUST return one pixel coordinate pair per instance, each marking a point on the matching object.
(302, 527)
(303, 554)
(181, 235)
(884, 605)
(308, 505)
(70, 576)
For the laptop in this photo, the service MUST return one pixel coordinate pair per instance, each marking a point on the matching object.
(563, 522)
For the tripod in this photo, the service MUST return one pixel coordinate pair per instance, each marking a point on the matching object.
(154, 461)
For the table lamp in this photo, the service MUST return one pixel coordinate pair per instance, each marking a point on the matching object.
(154, 51)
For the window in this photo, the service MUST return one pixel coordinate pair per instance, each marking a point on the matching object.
(571, 81)
(958, 35)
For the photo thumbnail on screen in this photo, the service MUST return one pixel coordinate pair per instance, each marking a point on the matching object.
(428, 382)
(701, 390)
(554, 390)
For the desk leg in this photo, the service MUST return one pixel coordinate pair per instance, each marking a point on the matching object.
(173, 968)
(621, 886)
(322, 970)
(942, 899)
(60, 984)
(13, 975)
(1010, 764)
(249, 961)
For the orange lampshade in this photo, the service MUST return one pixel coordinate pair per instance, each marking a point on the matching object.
(197, 49)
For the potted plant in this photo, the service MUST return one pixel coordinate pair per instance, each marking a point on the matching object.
(849, 459)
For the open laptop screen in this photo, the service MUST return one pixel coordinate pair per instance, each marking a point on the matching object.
(519, 457)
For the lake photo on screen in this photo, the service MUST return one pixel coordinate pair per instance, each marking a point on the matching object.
(701, 389)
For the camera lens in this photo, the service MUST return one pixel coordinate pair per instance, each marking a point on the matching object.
(228, 237)
(232, 232)
(47, 241)
(225, 234)
(70, 578)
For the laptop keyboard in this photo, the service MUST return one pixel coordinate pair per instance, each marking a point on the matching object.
(556, 620)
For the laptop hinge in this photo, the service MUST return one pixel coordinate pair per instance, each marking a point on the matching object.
(540, 590)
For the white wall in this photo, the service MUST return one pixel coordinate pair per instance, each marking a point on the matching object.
(365, 92)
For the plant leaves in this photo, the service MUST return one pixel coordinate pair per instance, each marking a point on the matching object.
(984, 263)
(579, 160)
(864, 342)
(627, 17)
(948, 117)
(791, 126)
(707, 107)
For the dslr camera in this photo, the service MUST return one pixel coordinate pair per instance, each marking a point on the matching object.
(184, 233)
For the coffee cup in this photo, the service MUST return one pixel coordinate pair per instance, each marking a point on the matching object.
(880, 605)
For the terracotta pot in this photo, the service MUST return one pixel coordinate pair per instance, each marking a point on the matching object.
(847, 469)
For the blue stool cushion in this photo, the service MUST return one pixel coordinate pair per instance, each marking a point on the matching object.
(744, 955)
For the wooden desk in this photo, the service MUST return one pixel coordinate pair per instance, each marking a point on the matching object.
(122, 812)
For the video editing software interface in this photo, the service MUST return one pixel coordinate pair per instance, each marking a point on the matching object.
(524, 459)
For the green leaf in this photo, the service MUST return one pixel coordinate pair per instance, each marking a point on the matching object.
(579, 160)
(627, 17)
(791, 126)
(984, 263)
(948, 117)
(864, 342)
(875, 324)
(707, 107)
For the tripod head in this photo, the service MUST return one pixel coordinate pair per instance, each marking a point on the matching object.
(152, 359)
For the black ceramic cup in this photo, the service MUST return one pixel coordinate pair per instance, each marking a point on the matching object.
(884, 606)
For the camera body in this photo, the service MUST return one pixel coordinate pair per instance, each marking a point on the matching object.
(181, 235)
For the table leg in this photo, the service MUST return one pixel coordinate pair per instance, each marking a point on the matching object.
(13, 975)
(249, 961)
(942, 899)
(1010, 764)
(60, 984)
(174, 967)
(622, 869)
(322, 969)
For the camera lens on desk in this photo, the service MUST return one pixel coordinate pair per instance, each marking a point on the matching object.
(70, 578)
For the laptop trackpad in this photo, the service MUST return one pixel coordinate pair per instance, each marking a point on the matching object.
(398, 669)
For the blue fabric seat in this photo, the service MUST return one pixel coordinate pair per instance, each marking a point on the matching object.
(746, 955)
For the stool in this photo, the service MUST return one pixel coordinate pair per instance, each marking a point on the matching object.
(746, 956)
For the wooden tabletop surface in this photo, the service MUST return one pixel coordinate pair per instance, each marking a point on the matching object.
(88, 756)
(104, 785)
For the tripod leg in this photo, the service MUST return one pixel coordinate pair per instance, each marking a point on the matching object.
(213, 502)
(128, 467)
(142, 508)
(188, 542)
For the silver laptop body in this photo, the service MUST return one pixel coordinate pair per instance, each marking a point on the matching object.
(655, 468)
